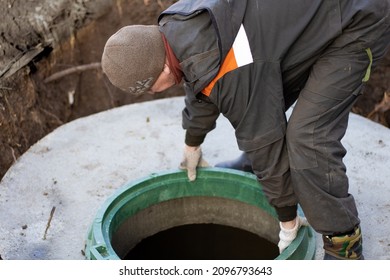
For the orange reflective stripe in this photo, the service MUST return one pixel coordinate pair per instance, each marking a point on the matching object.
(228, 65)
(242, 56)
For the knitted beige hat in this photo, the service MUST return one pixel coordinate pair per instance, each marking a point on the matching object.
(134, 57)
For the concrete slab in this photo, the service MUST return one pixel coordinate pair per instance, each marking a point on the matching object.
(80, 164)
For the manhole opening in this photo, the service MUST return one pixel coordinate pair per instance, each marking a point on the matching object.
(196, 228)
(223, 215)
(204, 242)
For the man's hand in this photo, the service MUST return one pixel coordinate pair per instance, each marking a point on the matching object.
(288, 235)
(191, 160)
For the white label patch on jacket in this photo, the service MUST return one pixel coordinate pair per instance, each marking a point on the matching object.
(242, 49)
(239, 55)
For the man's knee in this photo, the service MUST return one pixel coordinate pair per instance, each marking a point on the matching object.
(300, 146)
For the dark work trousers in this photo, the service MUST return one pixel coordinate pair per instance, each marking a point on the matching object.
(318, 123)
(307, 164)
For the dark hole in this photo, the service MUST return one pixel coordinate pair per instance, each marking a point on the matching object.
(204, 242)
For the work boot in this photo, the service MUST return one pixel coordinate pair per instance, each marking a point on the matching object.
(344, 247)
(241, 163)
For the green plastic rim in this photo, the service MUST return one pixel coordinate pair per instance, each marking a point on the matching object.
(238, 193)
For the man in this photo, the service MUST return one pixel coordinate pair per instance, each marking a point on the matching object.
(251, 60)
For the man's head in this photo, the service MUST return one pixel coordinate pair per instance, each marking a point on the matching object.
(134, 57)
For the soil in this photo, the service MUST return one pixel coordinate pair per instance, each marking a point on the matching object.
(31, 107)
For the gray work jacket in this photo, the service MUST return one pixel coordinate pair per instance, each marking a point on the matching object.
(284, 39)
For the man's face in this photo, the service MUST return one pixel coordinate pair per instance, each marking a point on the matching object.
(164, 81)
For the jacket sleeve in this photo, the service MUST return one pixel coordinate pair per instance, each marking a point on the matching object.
(199, 118)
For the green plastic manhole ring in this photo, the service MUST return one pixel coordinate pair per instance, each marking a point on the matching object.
(212, 184)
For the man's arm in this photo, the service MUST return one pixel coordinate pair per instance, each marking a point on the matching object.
(199, 118)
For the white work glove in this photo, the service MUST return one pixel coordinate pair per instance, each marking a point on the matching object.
(288, 235)
(192, 159)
